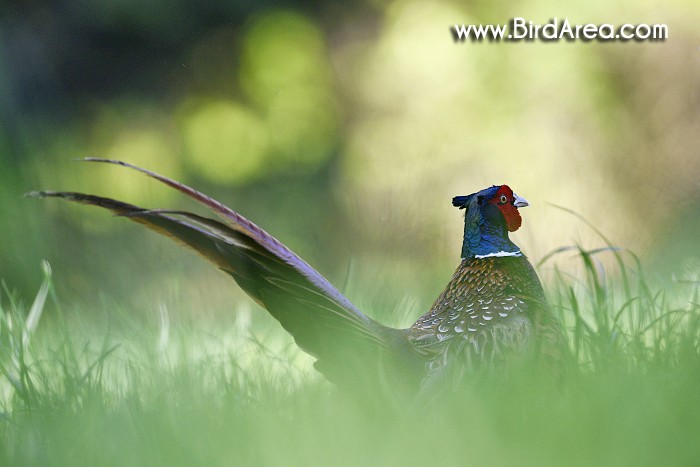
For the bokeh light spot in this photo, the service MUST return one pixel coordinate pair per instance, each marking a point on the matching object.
(303, 125)
(282, 50)
(225, 142)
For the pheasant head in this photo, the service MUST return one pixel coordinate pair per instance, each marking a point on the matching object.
(490, 214)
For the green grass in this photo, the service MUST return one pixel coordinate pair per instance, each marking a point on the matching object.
(73, 393)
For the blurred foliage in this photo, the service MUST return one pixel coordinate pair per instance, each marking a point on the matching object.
(343, 128)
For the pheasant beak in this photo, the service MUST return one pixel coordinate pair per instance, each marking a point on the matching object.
(519, 202)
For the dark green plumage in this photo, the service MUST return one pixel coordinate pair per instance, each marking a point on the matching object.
(492, 311)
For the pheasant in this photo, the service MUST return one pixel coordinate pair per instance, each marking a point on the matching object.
(493, 310)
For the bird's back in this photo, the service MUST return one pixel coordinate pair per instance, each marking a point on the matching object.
(492, 311)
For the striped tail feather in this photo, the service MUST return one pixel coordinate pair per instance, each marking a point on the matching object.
(322, 321)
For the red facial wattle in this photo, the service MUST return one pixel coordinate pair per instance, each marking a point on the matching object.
(509, 211)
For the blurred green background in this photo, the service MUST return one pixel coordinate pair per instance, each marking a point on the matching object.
(342, 128)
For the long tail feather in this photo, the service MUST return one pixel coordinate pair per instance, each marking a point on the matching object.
(190, 235)
(246, 227)
(322, 321)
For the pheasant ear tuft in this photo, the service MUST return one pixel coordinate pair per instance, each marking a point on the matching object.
(461, 202)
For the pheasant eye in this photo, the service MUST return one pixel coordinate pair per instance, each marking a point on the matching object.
(504, 199)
